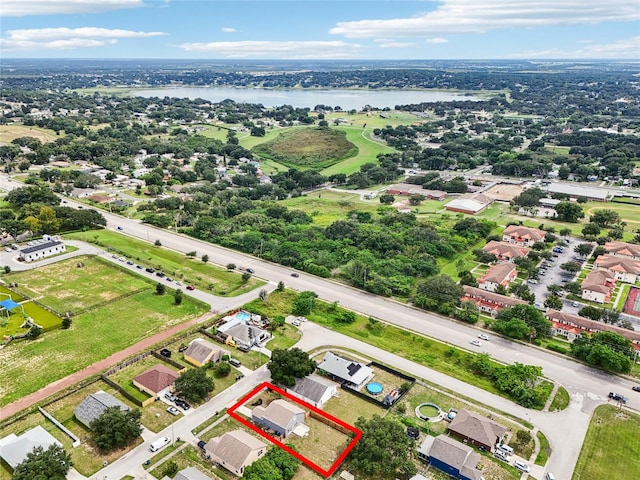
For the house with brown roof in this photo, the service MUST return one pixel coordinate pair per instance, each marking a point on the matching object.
(280, 416)
(622, 249)
(598, 286)
(573, 326)
(489, 302)
(624, 269)
(476, 430)
(235, 450)
(451, 456)
(201, 352)
(156, 379)
(499, 274)
(521, 235)
(505, 252)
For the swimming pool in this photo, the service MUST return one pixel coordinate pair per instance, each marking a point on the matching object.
(242, 315)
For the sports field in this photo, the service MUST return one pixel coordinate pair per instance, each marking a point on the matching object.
(11, 132)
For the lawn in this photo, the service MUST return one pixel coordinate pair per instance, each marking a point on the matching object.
(325, 207)
(560, 401)
(206, 276)
(545, 449)
(11, 132)
(30, 365)
(611, 448)
(63, 286)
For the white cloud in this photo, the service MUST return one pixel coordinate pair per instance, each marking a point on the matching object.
(268, 49)
(479, 16)
(65, 38)
(437, 40)
(228, 29)
(623, 49)
(19, 8)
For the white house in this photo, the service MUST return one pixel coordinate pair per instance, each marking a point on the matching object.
(350, 373)
(43, 250)
(314, 390)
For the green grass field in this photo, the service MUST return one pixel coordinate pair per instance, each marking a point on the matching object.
(611, 448)
(180, 267)
(326, 206)
(63, 286)
(30, 365)
(368, 150)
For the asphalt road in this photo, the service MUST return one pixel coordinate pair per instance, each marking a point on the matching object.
(588, 387)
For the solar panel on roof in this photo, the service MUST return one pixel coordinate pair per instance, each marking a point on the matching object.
(353, 368)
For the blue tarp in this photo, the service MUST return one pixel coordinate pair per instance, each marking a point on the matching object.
(9, 304)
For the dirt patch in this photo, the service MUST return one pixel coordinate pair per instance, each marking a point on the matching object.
(504, 192)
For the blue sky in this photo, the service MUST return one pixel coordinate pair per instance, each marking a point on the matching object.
(321, 29)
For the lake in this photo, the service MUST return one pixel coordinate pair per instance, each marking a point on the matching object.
(345, 99)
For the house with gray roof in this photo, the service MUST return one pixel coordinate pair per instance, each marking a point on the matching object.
(314, 389)
(280, 416)
(452, 457)
(476, 430)
(348, 372)
(201, 352)
(235, 450)
(189, 473)
(94, 405)
(14, 449)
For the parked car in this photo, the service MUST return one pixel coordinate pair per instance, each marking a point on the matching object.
(501, 455)
(190, 287)
(296, 323)
(483, 336)
(475, 342)
(129, 262)
(239, 377)
(159, 443)
(295, 275)
(575, 304)
(169, 279)
(173, 410)
(159, 274)
(636, 388)
(522, 466)
(251, 270)
(201, 444)
(139, 266)
(170, 396)
(149, 270)
(120, 227)
(182, 404)
(179, 284)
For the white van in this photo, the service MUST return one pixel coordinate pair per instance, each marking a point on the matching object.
(506, 449)
(159, 443)
(550, 476)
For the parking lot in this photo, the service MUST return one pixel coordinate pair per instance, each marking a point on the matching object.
(551, 273)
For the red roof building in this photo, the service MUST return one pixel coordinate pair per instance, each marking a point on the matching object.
(489, 302)
(156, 379)
(521, 235)
(505, 252)
(499, 274)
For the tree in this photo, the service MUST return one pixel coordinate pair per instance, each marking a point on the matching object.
(66, 322)
(573, 287)
(194, 385)
(590, 230)
(34, 332)
(177, 296)
(157, 243)
(116, 428)
(594, 313)
(553, 301)
(468, 312)
(230, 266)
(569, 212)
(530, 315)
(387, 199)
(40, 464)
(605, 218)
(416, 199)
(288, 365)
(205, 258)
(277, 464)
(584, 249)
(607, 350)
(436, 292)
(571, 267)
(160, 288)
(384, 450)
(222, 369)
(304, 303)
(276, 322)
(467, 278)
(565, 232)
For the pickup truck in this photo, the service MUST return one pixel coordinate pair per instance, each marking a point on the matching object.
(618, 397)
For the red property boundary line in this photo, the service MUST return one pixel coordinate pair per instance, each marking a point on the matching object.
(317, 468)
